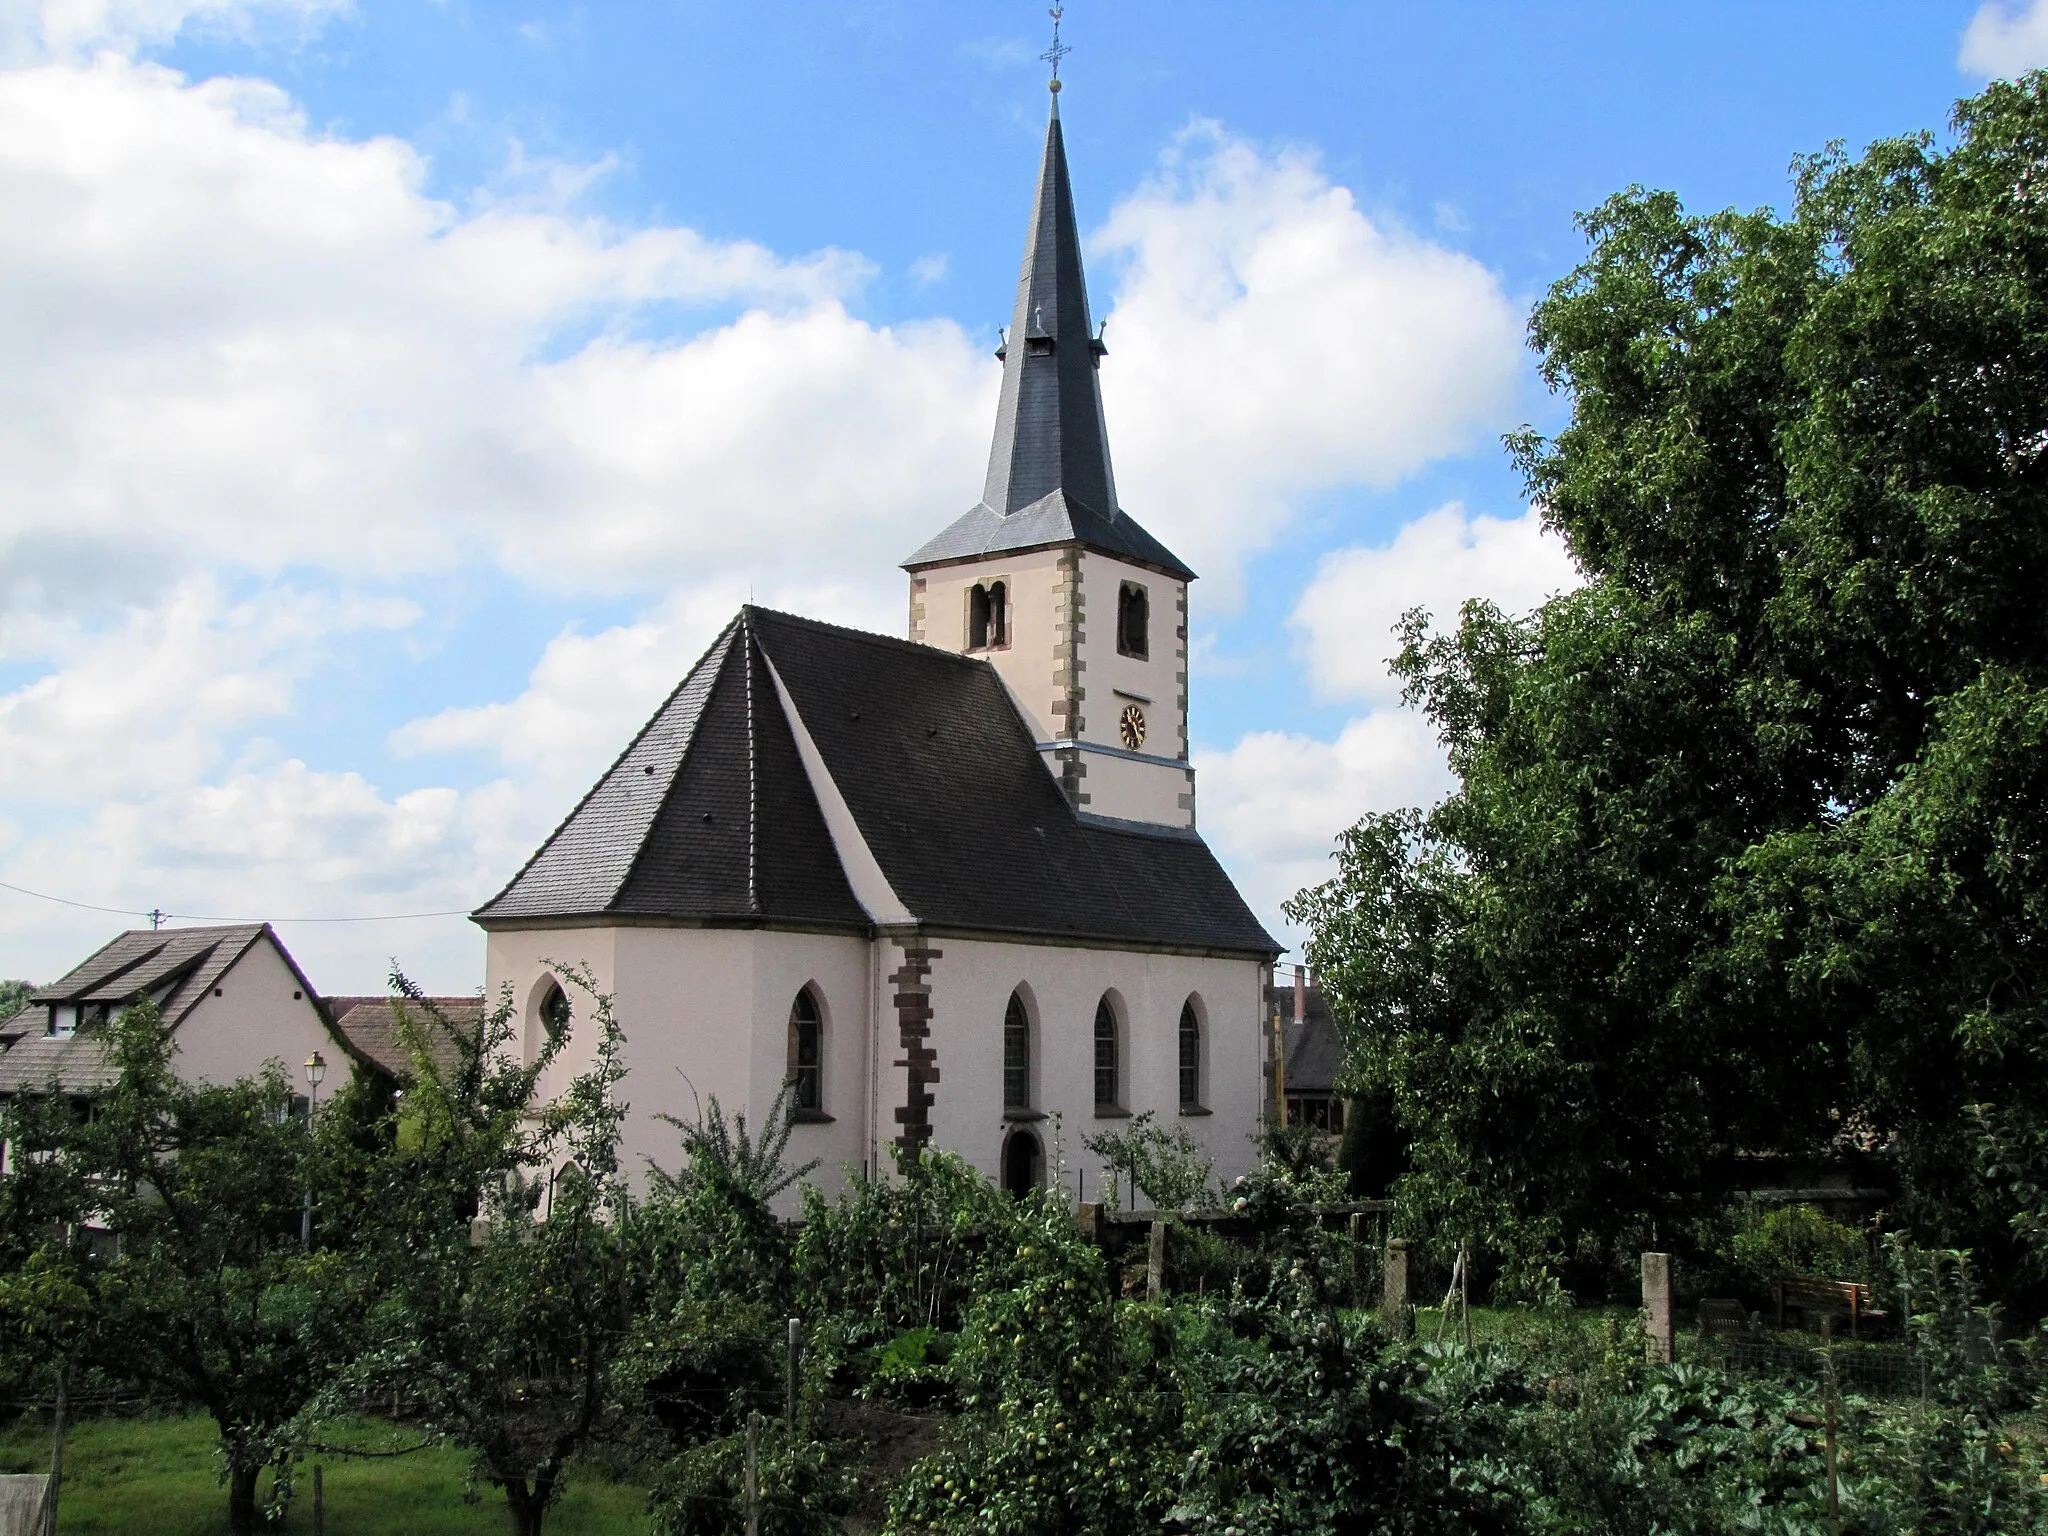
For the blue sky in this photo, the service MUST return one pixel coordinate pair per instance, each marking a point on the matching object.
(400, 395)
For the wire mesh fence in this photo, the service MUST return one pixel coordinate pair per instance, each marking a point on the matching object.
(1868, 1369)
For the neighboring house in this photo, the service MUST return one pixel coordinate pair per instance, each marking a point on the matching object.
(368, 1027)
(233, 997)
(946, 887)
(1313, 1053)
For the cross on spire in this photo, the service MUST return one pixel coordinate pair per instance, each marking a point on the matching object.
(1058, 50)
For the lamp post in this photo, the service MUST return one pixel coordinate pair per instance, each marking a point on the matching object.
(316, 1069)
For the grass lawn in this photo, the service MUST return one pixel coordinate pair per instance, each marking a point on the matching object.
(160, 1475)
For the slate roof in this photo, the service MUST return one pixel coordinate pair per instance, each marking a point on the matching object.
(369, 1025)
(709, 815)
(1049, 477)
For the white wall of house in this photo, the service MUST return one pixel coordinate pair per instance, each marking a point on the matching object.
(258, 1011)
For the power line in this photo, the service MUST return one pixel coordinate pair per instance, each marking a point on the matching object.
(193, 917)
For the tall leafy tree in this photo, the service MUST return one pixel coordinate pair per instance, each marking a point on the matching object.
(496, 1246)
(1746, 847)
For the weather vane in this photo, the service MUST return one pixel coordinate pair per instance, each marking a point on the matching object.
(1058, 50)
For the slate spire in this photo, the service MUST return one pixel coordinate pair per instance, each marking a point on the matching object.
(1049, 430)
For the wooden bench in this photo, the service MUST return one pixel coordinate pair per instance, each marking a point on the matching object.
(1843, 1297)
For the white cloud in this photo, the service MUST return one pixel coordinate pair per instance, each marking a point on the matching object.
(259, 392)
(1269, 341)
(148, 700)
(1273, 804)
(2003, 41)
(68, 28)
(1346, 616)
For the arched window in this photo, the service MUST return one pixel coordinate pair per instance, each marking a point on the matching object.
(988, 616)
(1190, 1056)
(1016, 1055)
(1022, 1163)
(1133, 619)
(806, 1054)
(1108, 1080)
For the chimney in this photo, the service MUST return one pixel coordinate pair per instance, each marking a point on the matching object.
(1301, 994)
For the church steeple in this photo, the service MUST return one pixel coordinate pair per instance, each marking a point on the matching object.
(1049, 429)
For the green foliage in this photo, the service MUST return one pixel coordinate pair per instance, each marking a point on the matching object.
(1787, 1240)
(703, 1491)
(14, 996)
(1748, 828)
(203, 1292)
(1169, 1168)
(912, 1252)
(503, 1302)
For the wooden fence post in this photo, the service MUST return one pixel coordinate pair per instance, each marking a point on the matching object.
(1395, 1307)
(1155, 1262)
(1659, 1336)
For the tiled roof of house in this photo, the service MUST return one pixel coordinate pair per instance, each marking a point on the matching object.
(75, 1064)
(370, 1026)
(709, 814)
(176, 966)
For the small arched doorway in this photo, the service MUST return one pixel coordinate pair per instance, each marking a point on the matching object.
(1022, 1163)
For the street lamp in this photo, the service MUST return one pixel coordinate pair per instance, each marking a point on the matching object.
(316, 1069)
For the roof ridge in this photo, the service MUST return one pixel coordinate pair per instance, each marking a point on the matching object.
(872, 637)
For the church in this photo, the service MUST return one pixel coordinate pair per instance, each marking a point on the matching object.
(948, 888)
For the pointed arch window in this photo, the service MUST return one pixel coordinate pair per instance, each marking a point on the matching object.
(1190, 1056)
(806, 1054)
(1108, 1058)
(1016, 1055)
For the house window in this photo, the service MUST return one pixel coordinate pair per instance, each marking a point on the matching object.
(1190, 1056)
(1133, 619)
(806, 1056)
(988, 616)
(1016, 1055)
(1108, 1083)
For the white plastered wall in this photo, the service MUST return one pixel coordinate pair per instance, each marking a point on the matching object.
(261, 1014)
(1137, 791)
(1106, 673)
(704, 1012)
(971, 983)
(1026, 665)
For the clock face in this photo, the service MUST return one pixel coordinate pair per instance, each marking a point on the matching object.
(1131, 723)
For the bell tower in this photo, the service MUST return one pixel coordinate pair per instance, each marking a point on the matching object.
(1082, 613)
